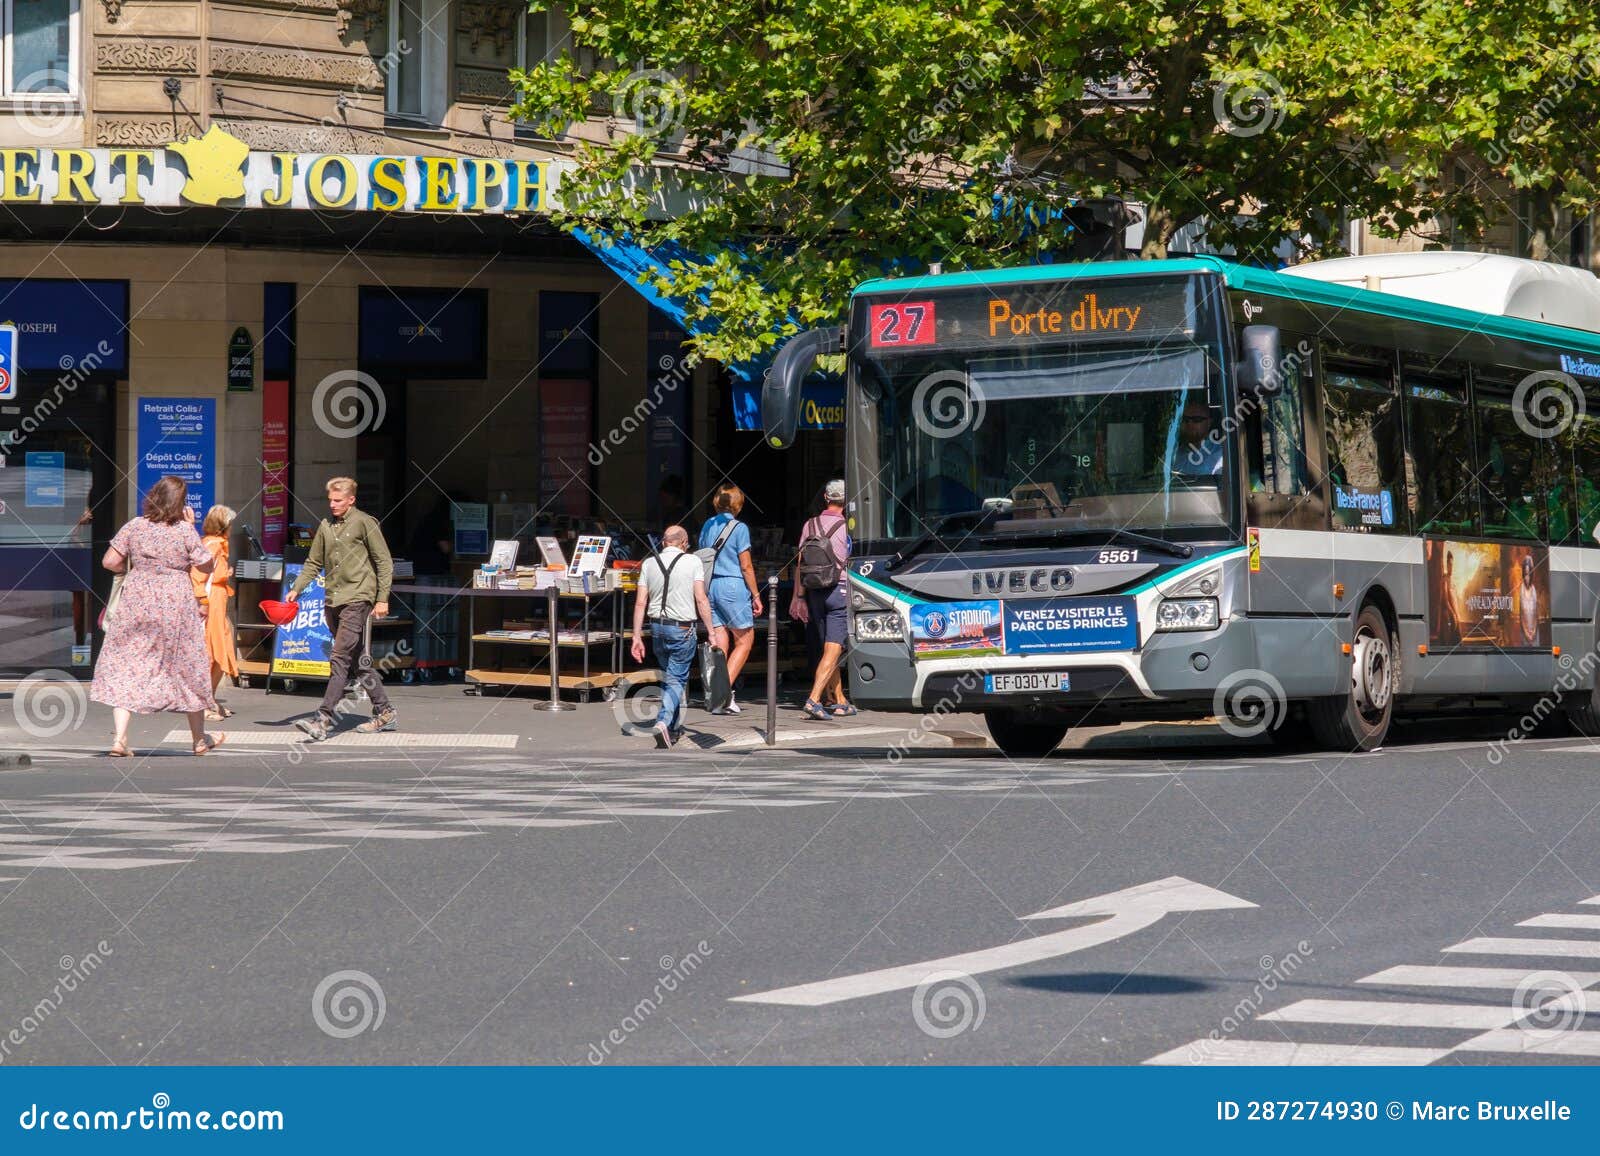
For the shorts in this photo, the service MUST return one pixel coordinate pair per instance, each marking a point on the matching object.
(730, 604)
(827, 614)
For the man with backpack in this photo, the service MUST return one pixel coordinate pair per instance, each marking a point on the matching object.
(820, 599)
(672, 595)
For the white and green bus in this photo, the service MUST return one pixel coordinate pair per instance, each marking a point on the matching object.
(1082, 494)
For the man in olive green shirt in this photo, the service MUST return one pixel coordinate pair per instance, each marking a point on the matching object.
(351, 555)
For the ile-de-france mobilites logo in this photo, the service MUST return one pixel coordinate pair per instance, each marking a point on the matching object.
(213, 165)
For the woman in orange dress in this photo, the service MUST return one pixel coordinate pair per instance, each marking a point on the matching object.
(213, 591)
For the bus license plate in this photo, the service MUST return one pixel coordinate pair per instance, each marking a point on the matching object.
(1023, 683)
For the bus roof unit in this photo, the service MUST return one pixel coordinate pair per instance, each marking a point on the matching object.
(1483, 282)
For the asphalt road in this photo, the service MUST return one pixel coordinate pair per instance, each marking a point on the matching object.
(494, 906)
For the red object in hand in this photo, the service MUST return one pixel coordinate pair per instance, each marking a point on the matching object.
(279, 613)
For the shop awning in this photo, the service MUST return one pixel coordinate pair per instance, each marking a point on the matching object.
(823, 407)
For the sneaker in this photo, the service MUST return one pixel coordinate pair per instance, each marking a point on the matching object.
(315, 727)
(663, 737)
(733, 706)
(383, 721)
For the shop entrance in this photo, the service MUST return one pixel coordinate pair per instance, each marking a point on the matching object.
(57, 516)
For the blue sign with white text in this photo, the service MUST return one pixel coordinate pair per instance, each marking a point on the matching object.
(303, 646)
(71, 326)
(1069, 625)
(44, 479)
(8, 362)
(178, 435)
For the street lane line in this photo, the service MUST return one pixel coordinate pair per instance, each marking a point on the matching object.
(1377, 1013)
(1562, 919)
(1521, 1041)
(1538, 948)
(1284, 1054)
(1408, 975)
(1130, 910)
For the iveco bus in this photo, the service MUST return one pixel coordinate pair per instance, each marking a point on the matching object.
(1132, 490)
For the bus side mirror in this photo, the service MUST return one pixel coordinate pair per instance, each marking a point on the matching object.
(1260, 361)
(780, 393)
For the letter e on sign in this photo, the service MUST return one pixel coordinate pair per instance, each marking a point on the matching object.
(8, 362)
(904, 323)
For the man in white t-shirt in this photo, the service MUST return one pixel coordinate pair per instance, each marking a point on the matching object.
(672, 595)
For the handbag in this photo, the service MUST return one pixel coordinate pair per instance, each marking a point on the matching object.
(714, 676)
(114, 599)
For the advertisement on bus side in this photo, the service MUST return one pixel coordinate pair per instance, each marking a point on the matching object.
(1488, 594)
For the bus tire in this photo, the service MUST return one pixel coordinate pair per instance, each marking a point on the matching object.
(1020, 737)
(1583, 711)
(1358, 719)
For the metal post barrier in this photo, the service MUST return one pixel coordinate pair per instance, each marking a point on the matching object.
(555, 703)
(772, 659)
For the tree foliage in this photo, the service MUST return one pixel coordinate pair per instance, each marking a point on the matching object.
(834, 140)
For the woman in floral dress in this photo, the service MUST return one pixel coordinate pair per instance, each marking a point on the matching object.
(154, 657)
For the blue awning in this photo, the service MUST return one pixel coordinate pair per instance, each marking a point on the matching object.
(823, 406)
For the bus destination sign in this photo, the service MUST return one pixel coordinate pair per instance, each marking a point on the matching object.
(1024, 315)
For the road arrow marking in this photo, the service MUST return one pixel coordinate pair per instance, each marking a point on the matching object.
(1129, 910)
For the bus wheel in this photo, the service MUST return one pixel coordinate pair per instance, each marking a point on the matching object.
(1583, 710)
(1358, 720)
(1021, 737)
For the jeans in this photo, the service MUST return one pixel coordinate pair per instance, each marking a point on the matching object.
(349, 626)
(675, 649)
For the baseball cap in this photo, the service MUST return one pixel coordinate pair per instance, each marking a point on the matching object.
(834, 491)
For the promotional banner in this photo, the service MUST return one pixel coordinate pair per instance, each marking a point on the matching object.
(1362, 508)
(302, 647)
(1047, 626)
(566, 419)
(274, 465)
(1488, 594)
(178, 435)
(957, 630)
(1068, 625)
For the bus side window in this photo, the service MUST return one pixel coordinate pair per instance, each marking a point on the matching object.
(1584, 439)
(1444, 493)
(1278, 472)
(1513, 471)
(1366, 457)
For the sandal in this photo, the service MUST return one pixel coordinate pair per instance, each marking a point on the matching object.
(841, 709)
(815, 711)
(119, 750)
(216, 715)
(210, 743)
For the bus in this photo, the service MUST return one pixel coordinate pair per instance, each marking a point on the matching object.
(1297, 501)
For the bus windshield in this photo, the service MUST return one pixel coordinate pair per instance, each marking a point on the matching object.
(1092, 438)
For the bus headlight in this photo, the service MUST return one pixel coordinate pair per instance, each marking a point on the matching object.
(1187, 614)
(879, 626)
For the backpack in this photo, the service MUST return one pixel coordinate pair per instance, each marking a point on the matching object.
(818, 567)
(708, 554)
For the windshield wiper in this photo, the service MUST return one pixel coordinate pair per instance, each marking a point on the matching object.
(1181, 549)
(984, 516)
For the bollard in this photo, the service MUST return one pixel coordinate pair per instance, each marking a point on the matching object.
(772, 659)
(555, 702)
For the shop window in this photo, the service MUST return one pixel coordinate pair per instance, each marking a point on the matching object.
(1366, 459)
(41, 48)
(1444, 496)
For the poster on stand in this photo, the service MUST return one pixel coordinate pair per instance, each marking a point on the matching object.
(178, 435)
(301, 649)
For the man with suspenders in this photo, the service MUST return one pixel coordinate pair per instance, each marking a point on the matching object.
(672, 595)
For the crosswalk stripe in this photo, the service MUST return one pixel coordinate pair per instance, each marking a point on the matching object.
(1520, 1041)
(1493, 945)
(1378, 1013)
(1562, 919)
(1408, 975)
(1283, 1053)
